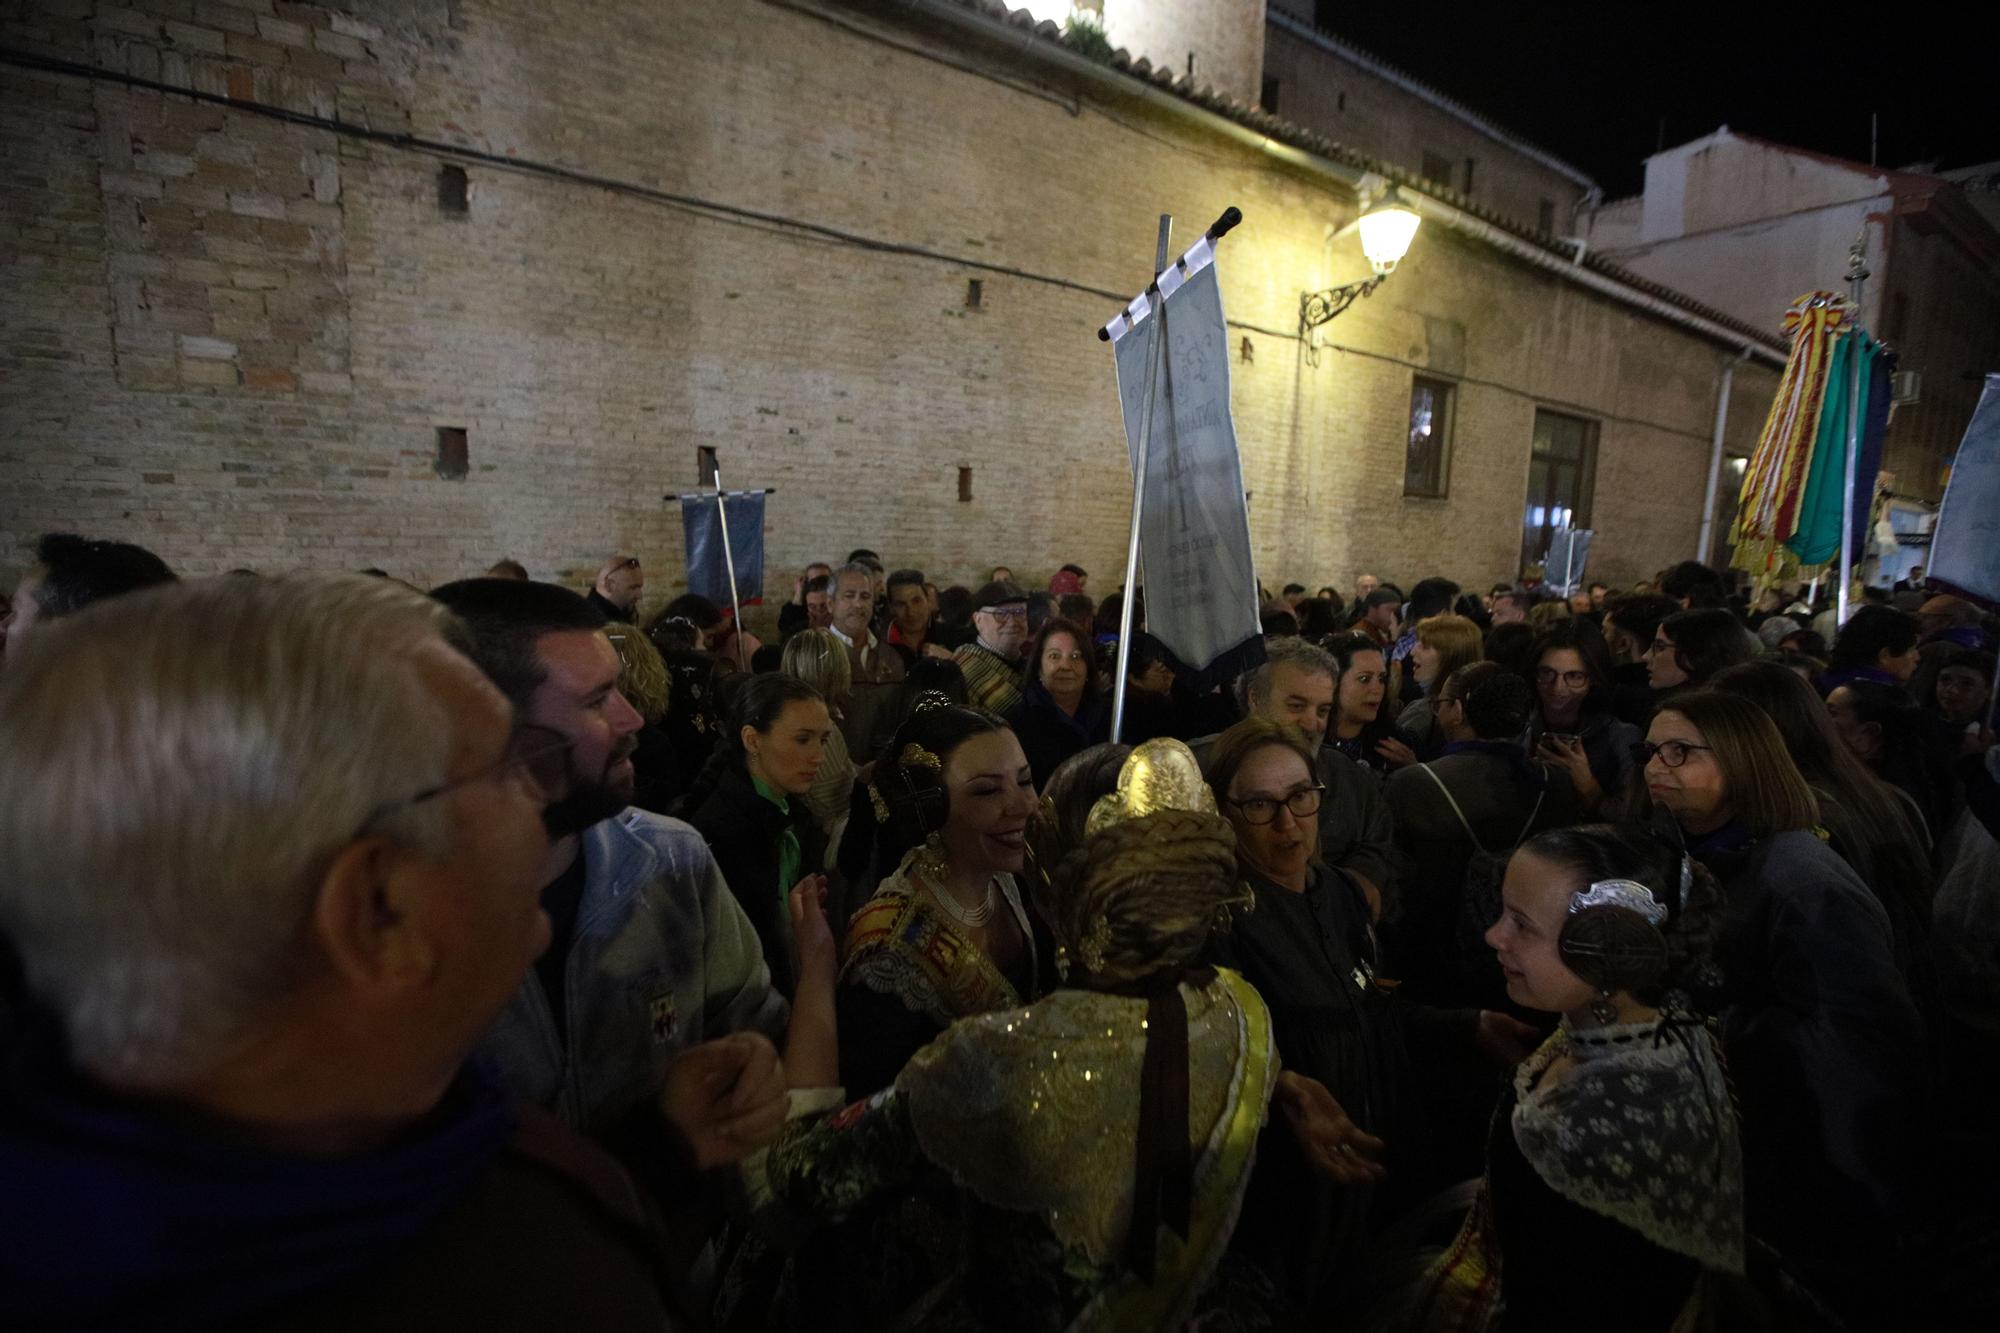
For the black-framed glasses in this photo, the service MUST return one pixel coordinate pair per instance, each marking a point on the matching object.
(1576, 680)
(538, 753)
(1264, 809)
(1672, 753)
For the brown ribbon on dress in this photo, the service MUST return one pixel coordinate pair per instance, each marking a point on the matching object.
(1163, 1185)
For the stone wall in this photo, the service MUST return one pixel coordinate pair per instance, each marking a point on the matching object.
(235, 339)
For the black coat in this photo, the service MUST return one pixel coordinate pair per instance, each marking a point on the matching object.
(1048, 735)
(743, 832)
(1826, 1051)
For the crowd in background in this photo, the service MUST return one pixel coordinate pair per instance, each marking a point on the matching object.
(1624, 958)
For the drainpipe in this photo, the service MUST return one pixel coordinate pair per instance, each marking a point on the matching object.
(1715, 456)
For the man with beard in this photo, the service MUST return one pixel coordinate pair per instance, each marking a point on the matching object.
(648, 951)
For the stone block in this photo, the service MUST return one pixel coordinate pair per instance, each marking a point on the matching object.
(213, 349)
(209, 374)
(256, 204)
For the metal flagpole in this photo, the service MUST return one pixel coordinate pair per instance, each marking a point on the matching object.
(1857, 274)
(1159, 310)
(729, 559)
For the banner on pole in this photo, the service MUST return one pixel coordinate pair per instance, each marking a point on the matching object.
(1201, 584)
(1569, 553)
(1965, 551)
(707, 569)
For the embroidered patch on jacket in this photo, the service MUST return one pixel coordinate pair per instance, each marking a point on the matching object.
(666, 1018)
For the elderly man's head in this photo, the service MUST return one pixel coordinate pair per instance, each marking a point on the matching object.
(853, 600)
(1000, 615)
(620, 581)
(291, 867)
(1296, 685)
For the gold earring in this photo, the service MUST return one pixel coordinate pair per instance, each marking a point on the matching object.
(931, 860)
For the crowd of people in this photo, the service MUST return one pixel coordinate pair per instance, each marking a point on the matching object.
(517, 956)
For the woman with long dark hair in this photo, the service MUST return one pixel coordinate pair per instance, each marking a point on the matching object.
(750, 807)
(1867, 820)
(1359, 726)
(1691, 646)
(1901, 744)
(1825, 1044)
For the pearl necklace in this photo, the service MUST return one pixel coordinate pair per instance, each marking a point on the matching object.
(971, 918)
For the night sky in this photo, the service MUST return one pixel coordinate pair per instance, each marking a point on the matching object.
(1592, 83)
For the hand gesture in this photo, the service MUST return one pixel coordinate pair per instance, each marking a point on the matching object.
(1567, 754)
(1335, 1147)
(1395, 752)
(812, 936)
(727, 1097)
(1504, 1039)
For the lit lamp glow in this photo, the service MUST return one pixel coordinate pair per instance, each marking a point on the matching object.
(1387, 229)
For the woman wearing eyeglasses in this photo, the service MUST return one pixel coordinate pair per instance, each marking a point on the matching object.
(1825, 1045)
(1308, 949)
(1572, 726)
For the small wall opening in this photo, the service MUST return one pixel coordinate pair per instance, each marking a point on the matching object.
(964, 484)
(454, 192)
(454, 455)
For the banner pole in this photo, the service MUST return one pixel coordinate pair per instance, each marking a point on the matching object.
(729, 559)
(1159, 305)
(1857, 274)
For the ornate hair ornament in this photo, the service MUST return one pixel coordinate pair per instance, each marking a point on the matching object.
(916, 756)
(1629, 894)
(1092, 946)
(1158, 775)
(928, 701)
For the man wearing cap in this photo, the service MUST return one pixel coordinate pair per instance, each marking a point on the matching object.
(992, 661)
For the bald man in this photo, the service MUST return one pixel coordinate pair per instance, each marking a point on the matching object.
(619, 583)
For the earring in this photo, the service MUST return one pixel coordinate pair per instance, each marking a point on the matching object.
(930, 861)
(1062, 962)
(1601, 1009)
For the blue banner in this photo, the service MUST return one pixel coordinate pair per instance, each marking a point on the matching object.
(1965, 551)
(707, 571)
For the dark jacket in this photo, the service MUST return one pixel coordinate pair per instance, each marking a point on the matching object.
(610, 609)
(1048, 735)
(1434, 936)
(1311, 956)
(1826, 1052)
(488, 1215)
(1632, 694)
(1354, 828)
(744, 833)
(1607, 743)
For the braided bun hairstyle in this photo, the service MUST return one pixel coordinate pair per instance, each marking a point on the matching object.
(1134, 900)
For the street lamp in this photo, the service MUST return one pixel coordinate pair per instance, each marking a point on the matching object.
(1387, 227)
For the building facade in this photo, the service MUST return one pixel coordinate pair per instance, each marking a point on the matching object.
(418, 285)
(1749, 226)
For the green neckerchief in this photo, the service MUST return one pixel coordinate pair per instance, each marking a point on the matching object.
(789, 854)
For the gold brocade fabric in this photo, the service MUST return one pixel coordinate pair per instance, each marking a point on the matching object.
(900, 944)
(1037, 1110)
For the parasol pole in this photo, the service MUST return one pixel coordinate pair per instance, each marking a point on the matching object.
(729, 559)
(1857, 274)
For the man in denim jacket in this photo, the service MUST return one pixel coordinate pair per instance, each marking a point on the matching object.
(649, 953)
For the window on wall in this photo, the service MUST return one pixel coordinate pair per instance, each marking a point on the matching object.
(1437, 169)
(1269, 101)
(1470, 164)
(1426, 465)
(1546, 217)
(1562, 473)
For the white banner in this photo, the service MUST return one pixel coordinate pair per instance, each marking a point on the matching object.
(1965, 552)
(1201, 586)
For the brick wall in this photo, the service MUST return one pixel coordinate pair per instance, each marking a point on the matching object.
(234, 339)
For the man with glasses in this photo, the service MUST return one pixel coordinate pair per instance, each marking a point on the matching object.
(1295, 685)
(620, 582)
(992, 661)
(238, 1092)
(648, 950)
